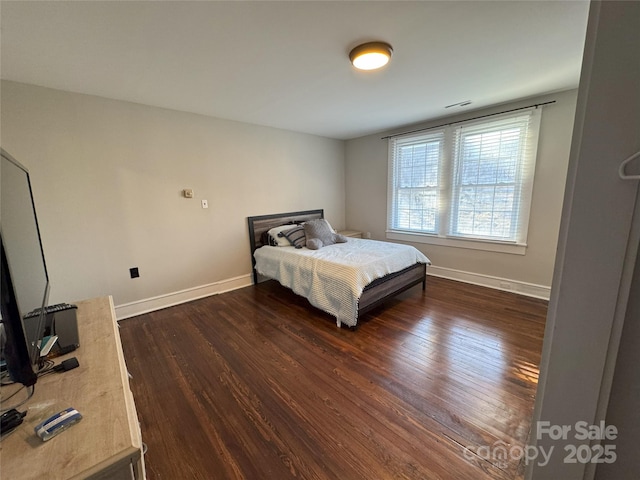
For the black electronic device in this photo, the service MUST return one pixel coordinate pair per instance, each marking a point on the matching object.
(10, 420)
(61, 321)
(24, 285)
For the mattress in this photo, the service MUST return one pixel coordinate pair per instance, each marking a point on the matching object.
(333, 277)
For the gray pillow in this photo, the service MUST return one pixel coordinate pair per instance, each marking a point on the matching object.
(319, 234)
(314, 244)
(339, 238)
(295, 236)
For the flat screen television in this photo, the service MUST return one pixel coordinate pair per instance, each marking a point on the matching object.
(24, 279)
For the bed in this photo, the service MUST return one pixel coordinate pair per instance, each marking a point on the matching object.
(344, 279)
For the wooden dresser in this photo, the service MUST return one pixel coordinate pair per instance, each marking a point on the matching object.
(106, 443)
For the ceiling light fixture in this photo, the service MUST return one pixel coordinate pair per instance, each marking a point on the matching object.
(370, 56)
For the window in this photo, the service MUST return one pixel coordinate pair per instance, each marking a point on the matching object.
(465, 185)
(417, 168)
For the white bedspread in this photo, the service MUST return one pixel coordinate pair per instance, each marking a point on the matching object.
(333, 277)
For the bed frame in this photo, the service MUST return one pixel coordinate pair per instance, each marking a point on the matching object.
(373, 295)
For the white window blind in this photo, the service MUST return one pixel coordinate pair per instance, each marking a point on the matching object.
(472, 181)
(416, 168)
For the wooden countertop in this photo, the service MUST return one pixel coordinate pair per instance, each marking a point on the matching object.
(108, 435)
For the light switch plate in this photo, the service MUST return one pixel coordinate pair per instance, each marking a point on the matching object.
(205, 204)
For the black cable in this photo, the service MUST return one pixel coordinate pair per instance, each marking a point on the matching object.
(32, 389)
(13, 394)
(47, 368)
(65, 366)
(43, 367)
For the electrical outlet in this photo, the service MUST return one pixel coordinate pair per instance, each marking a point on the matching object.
(134, 272)
(205, 204)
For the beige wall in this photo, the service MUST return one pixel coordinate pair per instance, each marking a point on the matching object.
(108, 176)
(366, 196)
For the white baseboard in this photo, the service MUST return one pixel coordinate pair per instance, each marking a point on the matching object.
(147, 305)
(506, 284)
(127, 310)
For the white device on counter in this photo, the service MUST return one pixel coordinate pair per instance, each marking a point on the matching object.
(58, 423)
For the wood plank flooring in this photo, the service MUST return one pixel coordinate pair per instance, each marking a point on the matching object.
(257, 384)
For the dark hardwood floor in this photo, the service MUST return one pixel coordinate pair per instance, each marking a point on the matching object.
(257, 384)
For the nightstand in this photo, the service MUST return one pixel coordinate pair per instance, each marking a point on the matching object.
(351, 233)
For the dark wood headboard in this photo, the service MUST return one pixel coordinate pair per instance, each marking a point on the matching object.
(263, 223)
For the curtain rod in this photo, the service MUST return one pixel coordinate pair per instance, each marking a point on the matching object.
(536, 105)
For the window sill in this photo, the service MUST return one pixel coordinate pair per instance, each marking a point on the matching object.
(485, 245)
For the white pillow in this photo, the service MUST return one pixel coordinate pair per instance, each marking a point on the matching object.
(280, 241)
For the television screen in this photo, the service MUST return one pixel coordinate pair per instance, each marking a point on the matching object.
(25, 282)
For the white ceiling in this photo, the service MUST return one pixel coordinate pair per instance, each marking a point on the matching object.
(285, 64)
